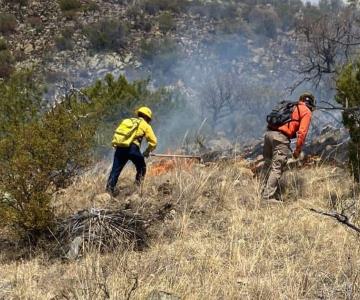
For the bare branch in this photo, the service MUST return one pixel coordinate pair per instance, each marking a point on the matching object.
(340, 217)
(325, 44)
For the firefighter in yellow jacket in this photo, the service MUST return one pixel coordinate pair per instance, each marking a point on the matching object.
(127, 145)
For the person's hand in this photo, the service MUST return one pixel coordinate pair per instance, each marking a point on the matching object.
(296, 153)
(146, 153)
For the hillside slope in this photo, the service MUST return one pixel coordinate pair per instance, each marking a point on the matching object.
(151, 38)
(212, 239)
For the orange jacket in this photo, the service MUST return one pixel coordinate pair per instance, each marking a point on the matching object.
(301, 118)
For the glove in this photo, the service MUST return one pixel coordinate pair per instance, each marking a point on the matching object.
(146, 153)
(296, 153)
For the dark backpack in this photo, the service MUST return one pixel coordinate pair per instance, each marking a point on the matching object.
(281, 114)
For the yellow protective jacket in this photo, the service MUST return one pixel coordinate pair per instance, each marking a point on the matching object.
(145, 130)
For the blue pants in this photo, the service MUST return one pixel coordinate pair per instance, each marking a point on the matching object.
(121, 157)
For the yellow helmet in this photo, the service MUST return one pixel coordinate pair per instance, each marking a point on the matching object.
(145, 111)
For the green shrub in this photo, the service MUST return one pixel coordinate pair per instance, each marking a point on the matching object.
(18, 2)
(91, 6)
(142, 25)
(6, 63)
(7, 23)
(68, 32)
(106, 35)
(19, 55)
(115, 99)
(41, 150)
(69, 5)
(151, 49)
(166, 22)
(3, 45)
(133, 12)
(348, 87)
(161, 56)
(35, 22)
(214, 10)
(140, 20)
(62, 43)
(235, 26)
(175, 6)
(265, 21)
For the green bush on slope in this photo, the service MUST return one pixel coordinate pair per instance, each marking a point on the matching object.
(7, 23)
(106, 35)
(154, 6)
(348, 86)
(67, 5)
(42, 149)
(6, 60)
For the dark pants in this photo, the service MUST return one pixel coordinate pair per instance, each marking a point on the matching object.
(121, 157)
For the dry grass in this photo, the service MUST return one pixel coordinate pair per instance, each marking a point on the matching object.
(211, 239)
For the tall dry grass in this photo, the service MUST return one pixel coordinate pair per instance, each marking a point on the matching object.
(215, 240)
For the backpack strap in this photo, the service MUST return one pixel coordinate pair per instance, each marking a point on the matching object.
(297, 107)
(138, 121)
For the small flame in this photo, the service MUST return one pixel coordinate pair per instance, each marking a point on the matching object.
(164, 166)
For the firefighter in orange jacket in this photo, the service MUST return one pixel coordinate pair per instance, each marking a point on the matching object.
(277, 145)
(124, 154)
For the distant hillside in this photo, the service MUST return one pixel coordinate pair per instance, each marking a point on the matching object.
(85, 39)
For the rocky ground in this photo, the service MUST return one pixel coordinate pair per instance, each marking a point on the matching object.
(40, 22)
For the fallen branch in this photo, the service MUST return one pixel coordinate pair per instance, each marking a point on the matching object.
(339, 217)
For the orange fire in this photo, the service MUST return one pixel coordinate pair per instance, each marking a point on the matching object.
(166, 165)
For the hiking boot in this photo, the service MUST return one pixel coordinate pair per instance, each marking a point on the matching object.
(112, 191)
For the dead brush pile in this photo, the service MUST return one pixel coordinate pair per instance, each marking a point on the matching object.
(101, 230)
